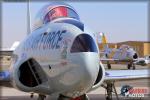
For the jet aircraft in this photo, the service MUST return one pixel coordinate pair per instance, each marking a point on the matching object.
(143, 61)
(61, 56)
(124, 53)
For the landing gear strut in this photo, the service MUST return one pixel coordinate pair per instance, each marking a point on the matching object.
(32, 95)
(62, 97)
(131, 65)
(110, 88)
(108, 65)
(41, 97)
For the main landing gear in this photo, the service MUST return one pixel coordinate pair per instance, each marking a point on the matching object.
(131, 65)
(110, 89)
(108, 65)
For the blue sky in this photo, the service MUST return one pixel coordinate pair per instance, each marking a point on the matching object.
(120, 21)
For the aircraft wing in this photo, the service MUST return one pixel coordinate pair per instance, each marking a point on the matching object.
(118, 75)
(9, 51)
(121, 75)
(6, 52)
(108, 59)
(117, 60)
(104, 60)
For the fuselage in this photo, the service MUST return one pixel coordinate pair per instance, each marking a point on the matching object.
(125, 53)
(61, 58)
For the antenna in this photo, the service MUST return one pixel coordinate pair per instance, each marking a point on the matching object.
(28, 18)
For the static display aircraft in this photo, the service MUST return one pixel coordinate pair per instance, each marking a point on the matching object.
(124, 53)
(143, 61)
(61, 56)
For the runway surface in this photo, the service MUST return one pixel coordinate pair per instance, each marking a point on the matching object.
(99, 94)
(7, 93)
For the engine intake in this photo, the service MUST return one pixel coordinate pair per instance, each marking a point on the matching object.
(100, 77)
(31, 73)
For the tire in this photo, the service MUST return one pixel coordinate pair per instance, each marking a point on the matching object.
(129, 66)
(133, 67)
(109, 66)
(83, 97)
(41, 97)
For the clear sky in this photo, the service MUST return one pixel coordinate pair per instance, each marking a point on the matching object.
(120, 21)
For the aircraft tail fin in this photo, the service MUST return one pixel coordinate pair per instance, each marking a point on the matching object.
(104, 40)
(105, 48)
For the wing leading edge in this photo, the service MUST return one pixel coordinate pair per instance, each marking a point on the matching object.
(6, 52)
(9, 51)
(118, 75)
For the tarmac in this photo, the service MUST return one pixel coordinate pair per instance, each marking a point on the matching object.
(8, 93)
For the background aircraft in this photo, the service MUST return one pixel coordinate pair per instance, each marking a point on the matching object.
(61, 56)
(143, 61)
(124, 53)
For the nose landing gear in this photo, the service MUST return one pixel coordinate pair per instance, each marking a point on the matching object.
(41, 97)
(62, 97)
(110, 89)
(82, 97)
(131, 65)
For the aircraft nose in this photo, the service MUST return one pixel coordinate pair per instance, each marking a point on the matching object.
(135, 56)
(87, 64)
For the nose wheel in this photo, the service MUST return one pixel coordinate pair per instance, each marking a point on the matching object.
(131, 65)
(109, 65)
(82, 97)
(41, 97)
(62, 97)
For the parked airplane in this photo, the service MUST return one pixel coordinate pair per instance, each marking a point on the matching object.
(125, 53)
(143, 61)
(61, 56)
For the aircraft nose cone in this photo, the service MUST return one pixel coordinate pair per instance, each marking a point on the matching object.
(88, 67)
(135, 56)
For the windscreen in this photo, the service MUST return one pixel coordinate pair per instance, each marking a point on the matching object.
(83, 43)
(59, 12)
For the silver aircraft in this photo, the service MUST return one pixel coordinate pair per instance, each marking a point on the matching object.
(61, 56)
(124, 54)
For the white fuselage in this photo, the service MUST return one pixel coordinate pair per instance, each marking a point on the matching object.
(60, 71)
(125, 54)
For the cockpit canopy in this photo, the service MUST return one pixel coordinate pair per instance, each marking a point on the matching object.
(125, 47)
(60, 12)
(54, 11)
